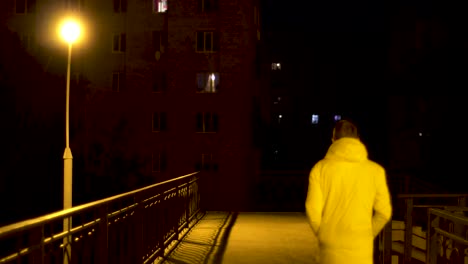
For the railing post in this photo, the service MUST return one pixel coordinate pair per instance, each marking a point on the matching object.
(67, 240)
(431, 239)
(188, 197)
(138, 229)
(462, 201)
(101, 254)
(459, 228)
(387, 240)
(408, 231)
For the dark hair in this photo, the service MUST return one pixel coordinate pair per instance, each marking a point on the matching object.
(345, 128)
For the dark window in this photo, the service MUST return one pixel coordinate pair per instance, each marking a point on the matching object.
(119, 42)
(156, 40)
(159, 121)
(118, 81)
(120, 6)
(159, 162)
(206, 163)
(159, 82)
(207, 5)
(207, 41)
(76, 5)
(123, 42)
(207, 122)
(20, 6)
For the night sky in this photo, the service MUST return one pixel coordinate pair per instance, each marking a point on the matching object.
(361, 42)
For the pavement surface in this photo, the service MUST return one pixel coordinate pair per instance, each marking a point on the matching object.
(248, 237)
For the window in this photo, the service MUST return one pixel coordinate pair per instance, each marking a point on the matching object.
(25, 6)
(315, 119)
(159, 39)
(159, 122)
(77, 77)
(119, 43)
(159, 82)
(120, 6)
(207, 82)
(76, 5)
(207, 41)
(277, 100)
(280, 118)
(118, 81)
(276, 66)
(158, 162)
(206, 163)
(26, 42)
(159, 6)
(256, 16)
(207, 5)
(207, 122)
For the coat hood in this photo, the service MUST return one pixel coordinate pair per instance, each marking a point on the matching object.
(347, 149)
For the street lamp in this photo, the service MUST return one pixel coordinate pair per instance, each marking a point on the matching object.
(70, 31)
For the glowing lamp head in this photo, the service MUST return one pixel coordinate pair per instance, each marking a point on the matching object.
(70, 31)
(213, 77)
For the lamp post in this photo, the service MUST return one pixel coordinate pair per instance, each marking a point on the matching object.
(70, 31)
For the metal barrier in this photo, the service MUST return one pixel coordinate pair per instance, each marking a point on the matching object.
(134, 227)
(447, 236)
(425, 202)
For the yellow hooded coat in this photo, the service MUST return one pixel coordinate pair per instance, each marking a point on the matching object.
(348, 203)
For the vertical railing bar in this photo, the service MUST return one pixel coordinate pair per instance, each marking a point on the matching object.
(408, 231)
(428, 236)
(42, 244)
(387, 240)
(94, 239)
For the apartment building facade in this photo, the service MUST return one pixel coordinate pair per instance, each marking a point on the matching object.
(166, 88)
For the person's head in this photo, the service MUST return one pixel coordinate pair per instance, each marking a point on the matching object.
(344, 128)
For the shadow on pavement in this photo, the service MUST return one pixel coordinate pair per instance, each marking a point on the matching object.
(205, 242)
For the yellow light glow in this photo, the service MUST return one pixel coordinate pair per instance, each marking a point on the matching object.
(70, 31)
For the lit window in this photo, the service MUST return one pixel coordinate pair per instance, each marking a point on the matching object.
(315, 119)
(276, 66)
(25, 6)
(337, 118)
(159, 122)
(159, 6)
(207, 122)
(207, 82)
(207, 41)
(120, 6)
(119, 42)
(118, 81)
(277, 101)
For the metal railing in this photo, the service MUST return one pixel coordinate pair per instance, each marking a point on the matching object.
(447, 236)
(425, 204)
(134, 227)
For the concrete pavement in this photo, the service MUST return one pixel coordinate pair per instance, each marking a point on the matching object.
(248, 238)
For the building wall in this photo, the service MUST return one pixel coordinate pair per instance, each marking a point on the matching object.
(120, 122)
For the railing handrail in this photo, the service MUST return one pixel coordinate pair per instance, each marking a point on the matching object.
(15, 227)
(450, 216)
(432, 195)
